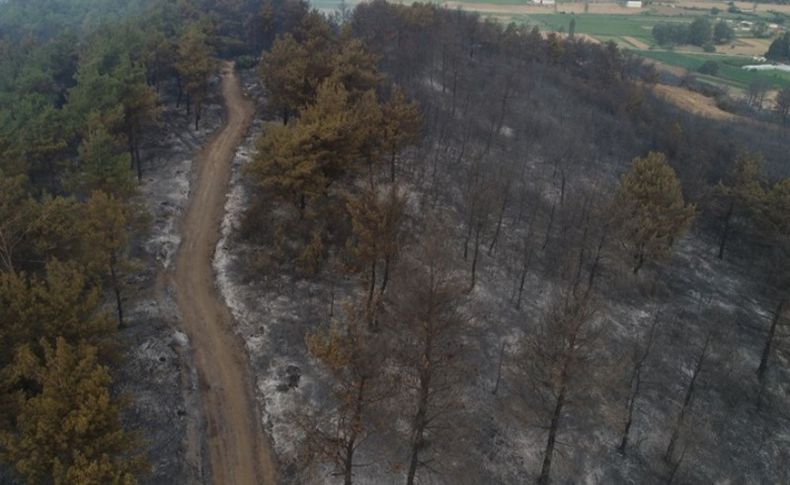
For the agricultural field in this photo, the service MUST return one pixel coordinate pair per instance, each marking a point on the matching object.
(631, 29)
(623, 29)
(731, 72)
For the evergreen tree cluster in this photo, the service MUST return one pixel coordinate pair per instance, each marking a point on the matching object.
(82, 84)
(341, 123)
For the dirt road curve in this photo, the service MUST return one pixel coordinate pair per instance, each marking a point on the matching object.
(238, 449)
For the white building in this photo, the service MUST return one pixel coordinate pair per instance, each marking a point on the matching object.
(544, 2)
(633, 4)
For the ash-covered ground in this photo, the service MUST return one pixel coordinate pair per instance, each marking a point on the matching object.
(156, 372)
(726, 439)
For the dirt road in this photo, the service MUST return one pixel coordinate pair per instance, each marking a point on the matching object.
(239, 452)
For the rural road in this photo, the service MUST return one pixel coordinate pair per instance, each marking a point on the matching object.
(238, 449)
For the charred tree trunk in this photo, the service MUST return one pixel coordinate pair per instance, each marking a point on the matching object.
(198, 109)
(675, 467)
(386, 276)
(639, 260)
(130, 148)
(134, 153)
(499, 369)
(421, 417)
(549, 226)
(523, 278)
(180, 91)
(462, 151)
(435, 177)
(443, 69)
(302, 205)
(563, 180)
(469, 230)
(478, 230)
(437, 150)
(635, 385)
(332, 300)
(351, 441)
(527, 258)
(392, 166)
(686, 402)
(455, 86)
(502, 209)
(116, 288)
(548, 455)
(138, 162)
(596, 264)
(725, 232)
(769, 341)
(582, 256)
(372, 287)
(496, 127)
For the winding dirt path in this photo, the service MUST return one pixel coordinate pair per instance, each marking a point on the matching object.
(238, 450)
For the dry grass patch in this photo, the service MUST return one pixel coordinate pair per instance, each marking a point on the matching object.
(693, 102)
(746, 47)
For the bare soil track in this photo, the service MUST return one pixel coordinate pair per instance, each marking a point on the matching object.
(238, 449)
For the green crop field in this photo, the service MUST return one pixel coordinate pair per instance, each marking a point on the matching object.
(628, 31)
(730, 70)
(599, 25)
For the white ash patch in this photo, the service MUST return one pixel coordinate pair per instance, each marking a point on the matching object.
(181, 339)
(235, 203)
(434, 84)
(165, 194)
(279, 399)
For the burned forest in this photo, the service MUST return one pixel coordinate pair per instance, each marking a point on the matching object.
(255, 242)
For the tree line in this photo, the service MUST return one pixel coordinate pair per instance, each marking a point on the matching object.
(699, 32)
